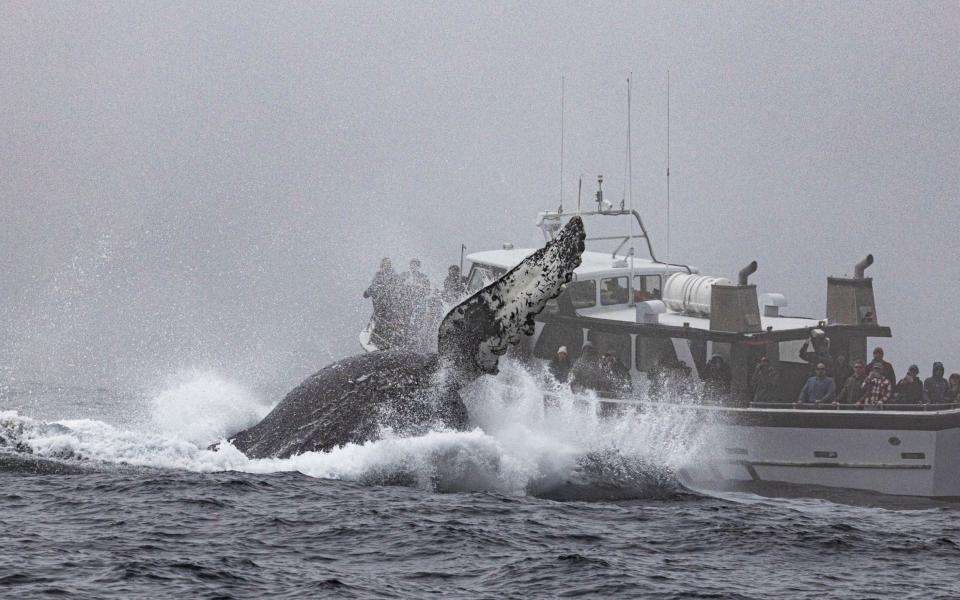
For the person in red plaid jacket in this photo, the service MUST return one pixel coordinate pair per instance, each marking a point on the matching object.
(876, 388)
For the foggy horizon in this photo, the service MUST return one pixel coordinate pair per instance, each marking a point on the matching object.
(212, 186)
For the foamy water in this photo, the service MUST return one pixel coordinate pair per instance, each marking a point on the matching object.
(515, 446)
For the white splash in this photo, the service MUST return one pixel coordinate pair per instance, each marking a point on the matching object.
(201, 407)
(517, 445)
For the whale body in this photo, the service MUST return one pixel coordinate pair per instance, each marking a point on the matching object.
(357, 399)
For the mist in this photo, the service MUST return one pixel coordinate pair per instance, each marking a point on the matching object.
(211, 186)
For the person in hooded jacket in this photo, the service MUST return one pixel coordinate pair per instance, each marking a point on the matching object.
(935, 387)
(909, 389)
(585, 374)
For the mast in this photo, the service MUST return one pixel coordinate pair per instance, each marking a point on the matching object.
(667, 257)
(562, 98)
(631, 250)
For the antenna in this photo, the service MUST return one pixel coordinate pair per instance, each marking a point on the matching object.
(668, 166)
(579, 191)
(632, 251)
(562, 90)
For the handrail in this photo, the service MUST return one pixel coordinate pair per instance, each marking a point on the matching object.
(832, 406)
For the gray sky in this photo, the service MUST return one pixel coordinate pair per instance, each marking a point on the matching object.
(212, 184)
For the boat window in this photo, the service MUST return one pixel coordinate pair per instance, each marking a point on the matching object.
(647, 287)
(651, 351)
(613, 290)
(605, 342)
(482, 275)
(583, 293)
(790, 351)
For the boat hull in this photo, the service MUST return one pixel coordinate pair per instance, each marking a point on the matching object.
(902, 453)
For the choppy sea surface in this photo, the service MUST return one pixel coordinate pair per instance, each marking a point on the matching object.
(114, 494)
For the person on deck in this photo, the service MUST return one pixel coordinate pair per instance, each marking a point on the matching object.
(417, 299)
(765, 382)
(820, 352)
(909, 389)
(560, 365)
(615, 374)
(935, 387)
(877, 390)
(585, 374)
(953, 393)
(841, 370)
(819, 389)
(717, 377)
(886, 367)
(454, 286)
(853, 387)
(383, 292)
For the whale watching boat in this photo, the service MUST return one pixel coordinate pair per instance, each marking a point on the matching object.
(654, 314)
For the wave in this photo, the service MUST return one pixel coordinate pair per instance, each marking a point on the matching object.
(517, 445)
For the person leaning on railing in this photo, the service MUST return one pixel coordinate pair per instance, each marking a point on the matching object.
(953, 392)
(909, 389)
(935, 387)
(877, 390)
(819, 389)
(853, 387)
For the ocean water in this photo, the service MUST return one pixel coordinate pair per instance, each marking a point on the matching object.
(107, 493)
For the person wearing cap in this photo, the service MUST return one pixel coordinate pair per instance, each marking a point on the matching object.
(853, 387)
(560, 365)
(819, 389)
(935, 387)
(909, 390)
(877, 390)
(764, 382)
(886, 367)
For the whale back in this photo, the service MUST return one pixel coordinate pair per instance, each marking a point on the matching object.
(352, 400)
(476, 332)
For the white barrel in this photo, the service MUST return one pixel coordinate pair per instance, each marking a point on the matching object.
(689, 293)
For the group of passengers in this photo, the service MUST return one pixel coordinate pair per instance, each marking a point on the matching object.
(604, 373)
(874, 384)
(405, 306)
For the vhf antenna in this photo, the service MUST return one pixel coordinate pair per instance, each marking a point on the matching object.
(668, 166)
(562, 90)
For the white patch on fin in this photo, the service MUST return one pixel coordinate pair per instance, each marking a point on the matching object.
(481, 328)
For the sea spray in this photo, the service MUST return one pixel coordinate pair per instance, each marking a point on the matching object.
(517, 444)
(202, 407)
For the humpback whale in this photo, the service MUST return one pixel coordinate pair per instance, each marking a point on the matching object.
(357, 398)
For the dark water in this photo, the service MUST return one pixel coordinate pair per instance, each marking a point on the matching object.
(115, 530)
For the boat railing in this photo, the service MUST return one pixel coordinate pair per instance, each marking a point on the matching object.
(831, 406)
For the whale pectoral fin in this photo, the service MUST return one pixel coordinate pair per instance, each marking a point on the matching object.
(481, 328)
